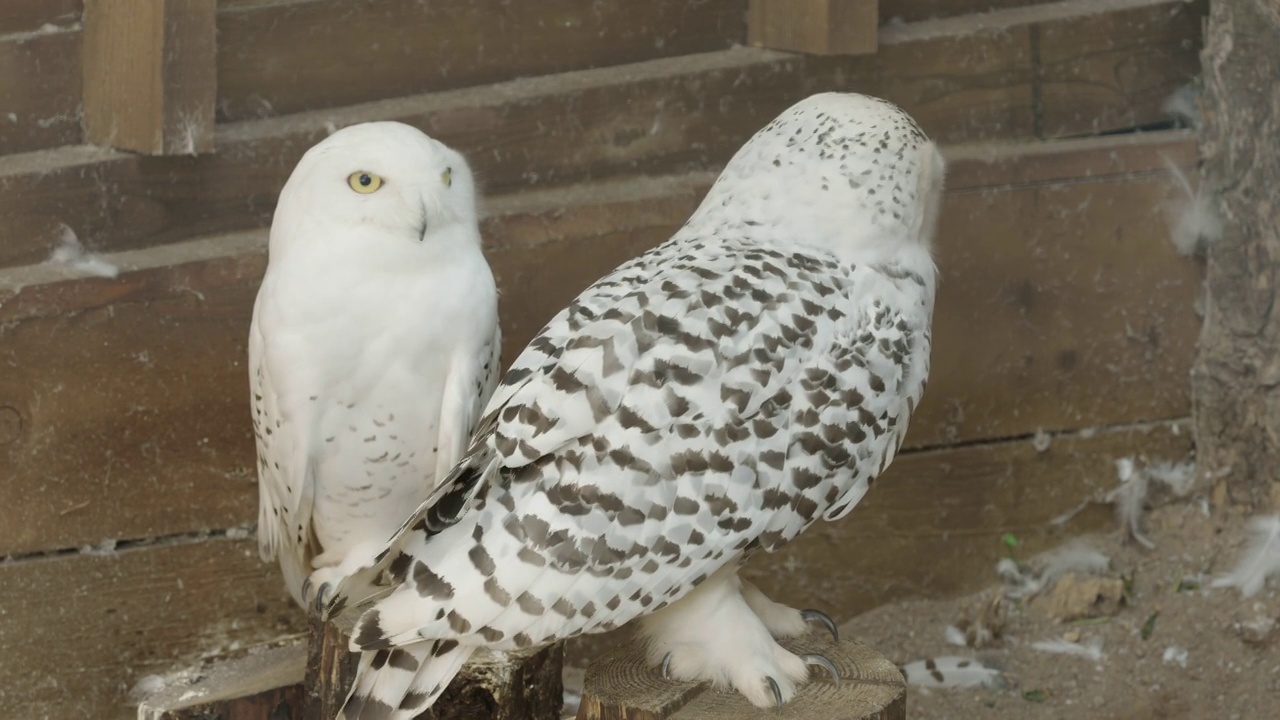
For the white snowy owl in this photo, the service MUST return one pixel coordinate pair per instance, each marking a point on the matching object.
(373, 348)
(705, 401)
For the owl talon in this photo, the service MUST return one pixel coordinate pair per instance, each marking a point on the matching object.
(824, 663)
(325, 588)
(825, 619)
(306, 588)
(666, 663)
(777, 692)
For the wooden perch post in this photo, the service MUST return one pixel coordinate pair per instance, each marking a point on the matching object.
(524, 685)
(150, 75)
(622, 685)
(816, 27)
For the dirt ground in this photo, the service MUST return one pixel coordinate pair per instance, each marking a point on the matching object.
(1163, 644)
(1173, 647)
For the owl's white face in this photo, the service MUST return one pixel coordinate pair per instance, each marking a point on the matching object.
(387, 177)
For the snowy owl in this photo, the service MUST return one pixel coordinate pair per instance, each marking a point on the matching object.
(373, 348)
(705, 401)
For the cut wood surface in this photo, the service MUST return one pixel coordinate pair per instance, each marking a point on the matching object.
(80, 629)
(265, 684)
(624, 685)
(1062, 305)
(651, 117)
(818, 27)
(149, 75)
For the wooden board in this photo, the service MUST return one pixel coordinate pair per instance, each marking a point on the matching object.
(917, 10)
(39, 90)
(816, 27)
(623, 685)
(541, 132)
(262, 685)
(80, 630)
(1115, 70)
(149, 75)
(532, 133)
(932, 525)
(283, 58)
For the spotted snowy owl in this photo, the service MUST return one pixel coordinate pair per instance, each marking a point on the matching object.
(705, 401)
(373, 349)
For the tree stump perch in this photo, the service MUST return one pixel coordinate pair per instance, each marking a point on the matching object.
(524, 685)
(622, 685)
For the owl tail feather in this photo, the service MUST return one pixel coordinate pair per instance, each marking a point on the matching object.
(398, 684)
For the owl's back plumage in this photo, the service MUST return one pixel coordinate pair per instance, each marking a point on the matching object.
(707, 400)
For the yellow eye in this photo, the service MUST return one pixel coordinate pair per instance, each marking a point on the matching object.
(364, 182)
(447, 177)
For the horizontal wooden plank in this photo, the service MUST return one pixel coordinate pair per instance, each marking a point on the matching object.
(28, 16)
(276, 59)
(900, 11)
(1115, 70)
(39, 90)
(80, 630)
(1040, 324)
(649, 118)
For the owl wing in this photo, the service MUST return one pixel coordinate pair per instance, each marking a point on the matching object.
(682, 412)
(285, 486)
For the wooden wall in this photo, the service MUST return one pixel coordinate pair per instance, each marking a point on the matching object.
(595, 127)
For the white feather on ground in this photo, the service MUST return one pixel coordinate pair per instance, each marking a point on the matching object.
(1128, 499)
(951, 671)
(1178, 477)
(1076, 556)
(1091, 650)
(955, 636)
(1260, 561)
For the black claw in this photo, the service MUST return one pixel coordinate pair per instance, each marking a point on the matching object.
(822, 662)
(306, 589)
(827, 622)
(324, 588)
(777, 692)
(666, 662)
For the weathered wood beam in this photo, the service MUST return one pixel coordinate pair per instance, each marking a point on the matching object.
(150, 75)
(1237, 374)
(815, 27)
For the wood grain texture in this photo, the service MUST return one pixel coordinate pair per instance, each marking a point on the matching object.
(276, 59)
(651, 118)
(1115, 70)
(917, 10)
(39, 90)
(80, 630)
(262, 685)
(816, 27)
(623, 685)
(150, 75)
